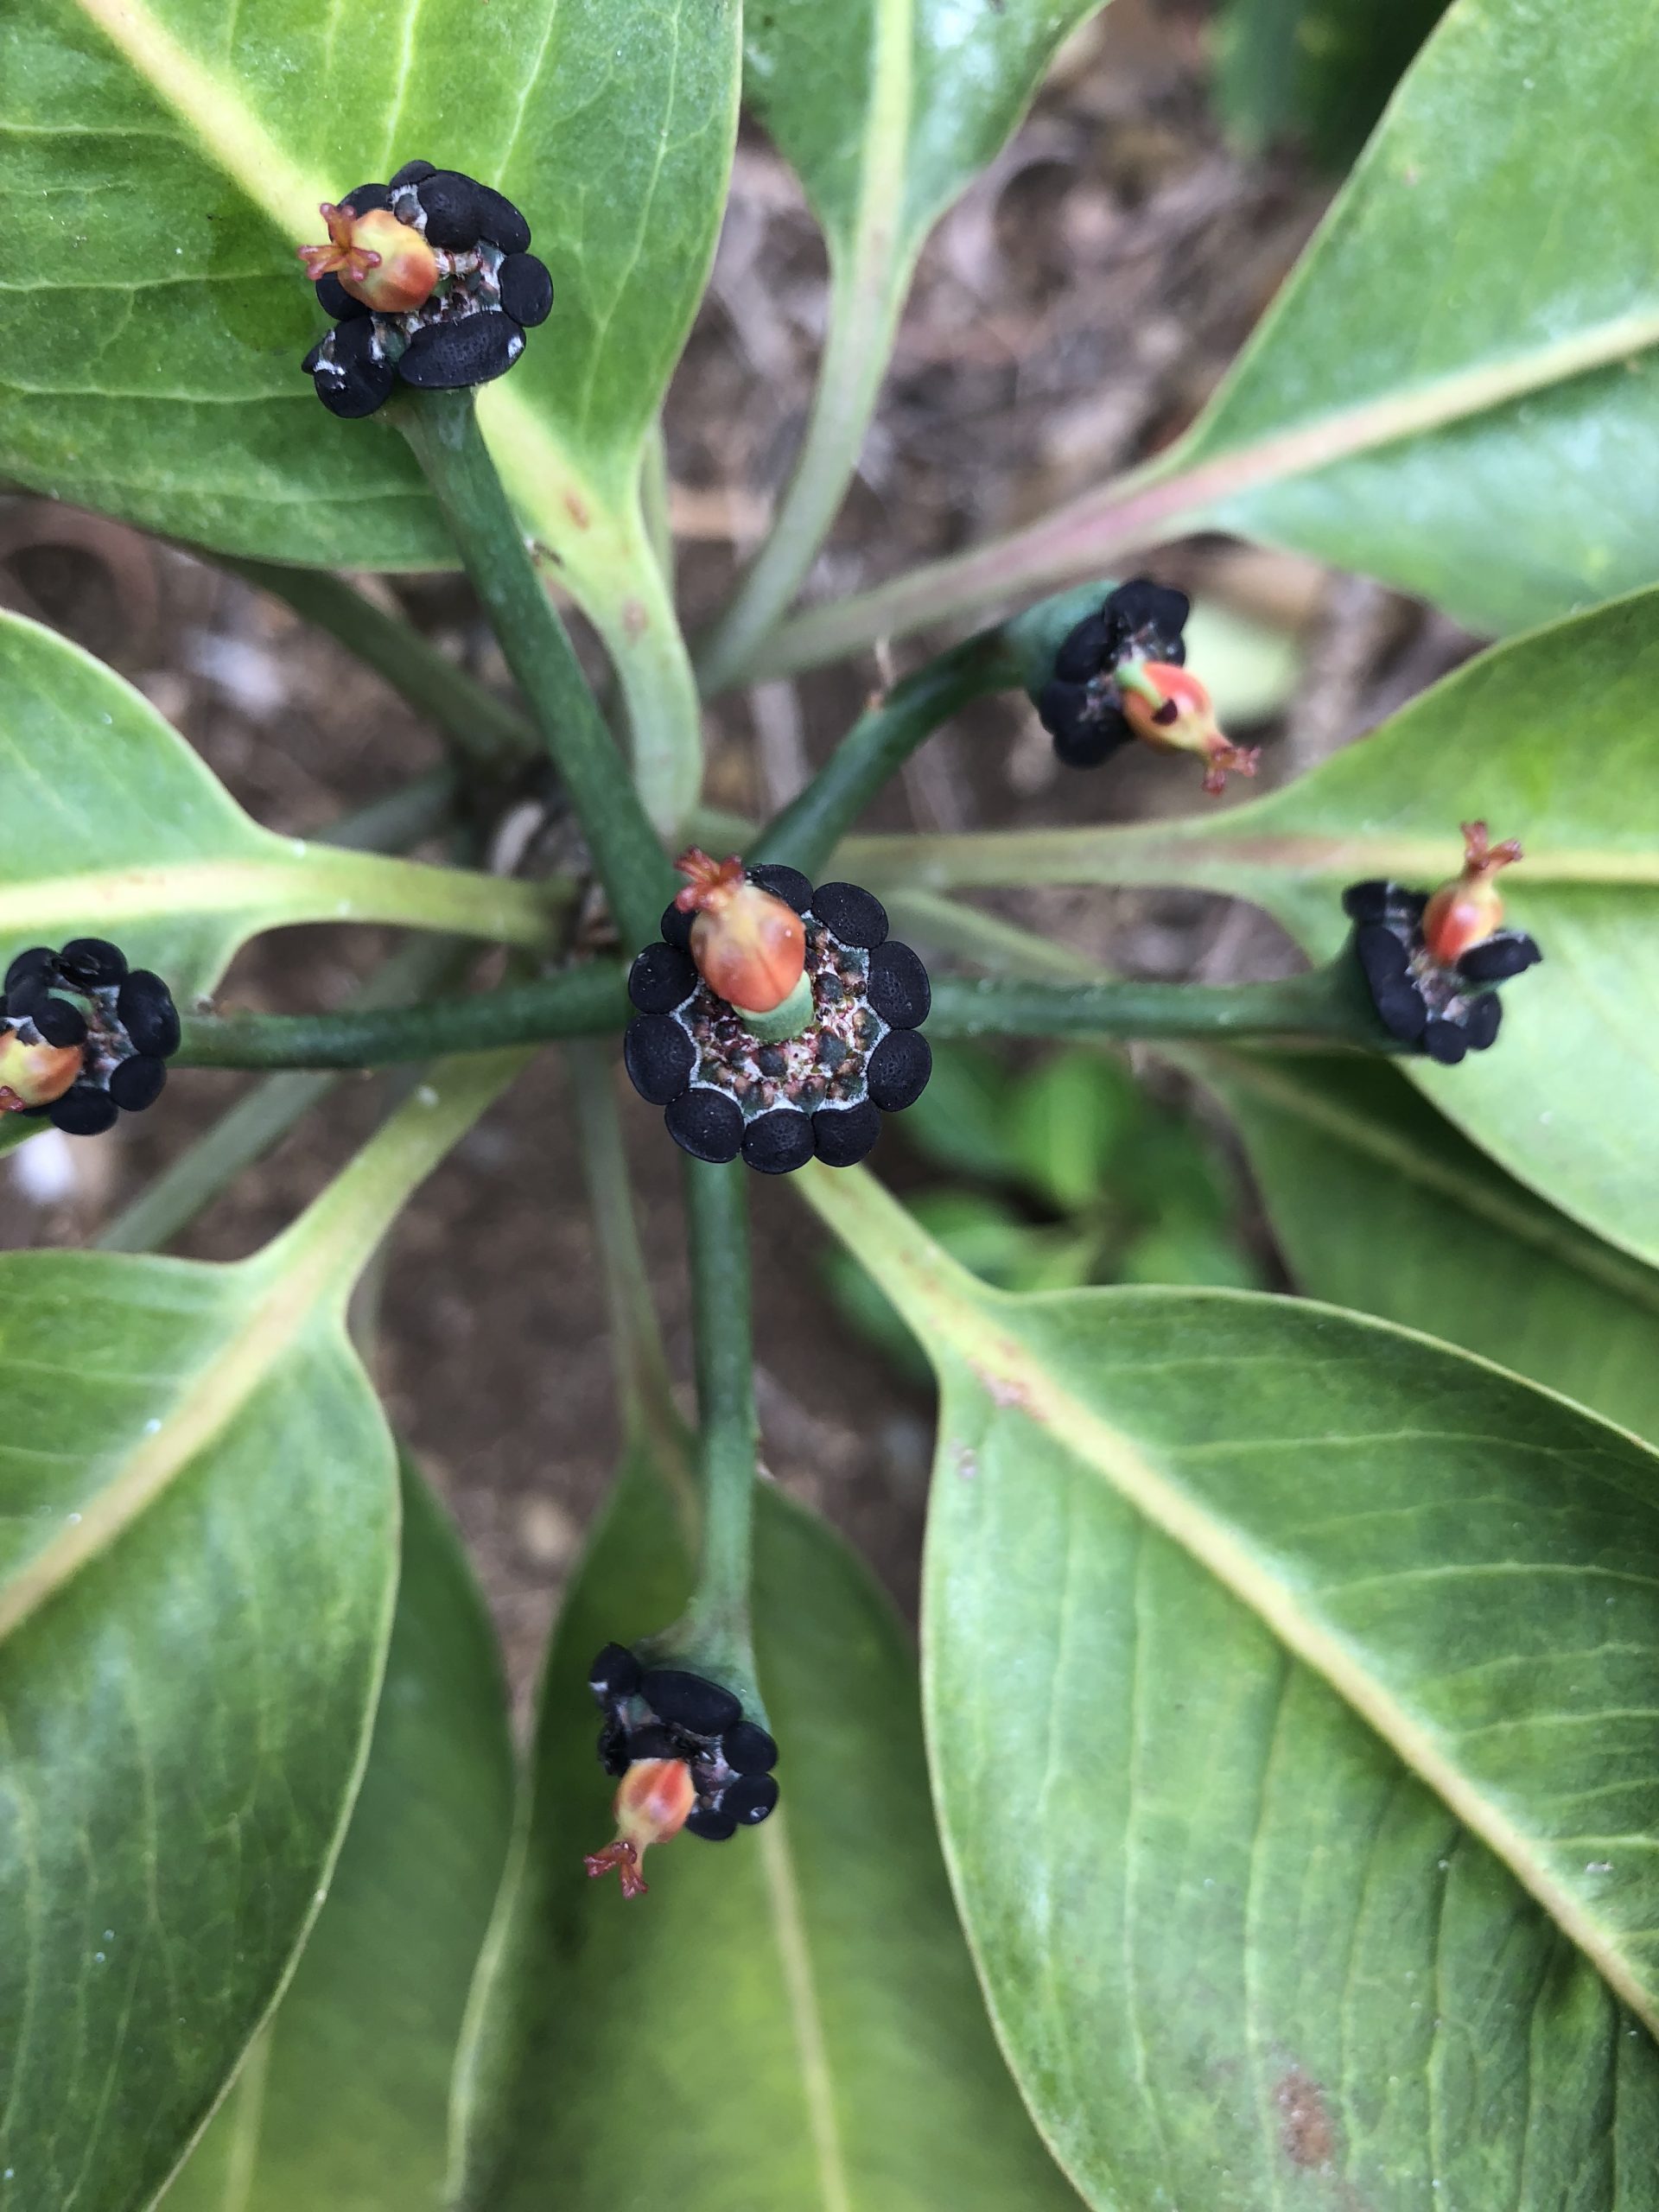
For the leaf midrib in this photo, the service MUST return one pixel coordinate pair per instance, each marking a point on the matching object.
(806, 2015)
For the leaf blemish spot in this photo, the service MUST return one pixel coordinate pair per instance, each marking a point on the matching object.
(1307, 2134)
(576, 508)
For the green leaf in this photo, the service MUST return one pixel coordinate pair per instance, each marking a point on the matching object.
(160, 159)
(789, 2019)
(886, 109)
(1379, 1205)
(1070, 1116)
(1289, 1683)
(1545, 739)
(343, 2102)
(112, 827)
(198, 1554)
(1318, 70)
(1451, 393)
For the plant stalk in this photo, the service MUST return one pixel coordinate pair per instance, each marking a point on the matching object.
(718, 1619)
(1328, 1005)
(443, 429)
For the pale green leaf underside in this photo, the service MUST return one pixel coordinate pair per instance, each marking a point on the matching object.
(342, 2104)
(1257, 1636)
(793, 2009)
(1548, 740)
(110, 826)
(1379, 1205)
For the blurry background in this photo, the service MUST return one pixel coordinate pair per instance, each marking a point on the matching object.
(1070, 315)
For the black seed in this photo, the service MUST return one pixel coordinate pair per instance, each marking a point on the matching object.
(1401, 1009)
(706, 1124)
(59, 1022)
(779, 1143)
(136, 1084)
(658, 1057)
(676, 927)
(689, 1700)
(366, 197)
(313, 360)
(1083, 652)
(353, 377)
(35, 961)
(661, 978)
(413, 173)
(148, 1015)
(856, 917)
(83, 1111)
(613, 1746)
(1406, 906)
(786, 883)
(750, 1798)
(773, 1060)
(900, 1067)
(1381, 955)
(527, 289)
(897, 987)
(1367, 901)
(1481, 1023)
(459, 211)
(1151, 616)
(1444, 1041)
(93, 961)
(1085, 732)
(449, 356)
(1496, 958)
(28, 995)
(843, 1135)
(832, 1050)
(827, 990)
(614, 1673)
(748, 1749)
(336, 303)
(712, 1827)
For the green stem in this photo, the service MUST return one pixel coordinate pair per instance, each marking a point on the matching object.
(443, 429)
(484, 732)
(1327, 1004)
(716, 1622)
(809, 829)
(866, 295)
(582, 1001)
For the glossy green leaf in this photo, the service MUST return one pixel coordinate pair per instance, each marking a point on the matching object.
(1290, 1684)
(1547, 740)
(198, 1555)
(343, 2102)
(886, 109)
(1318, 71)
(160, 158)
(110, 826)
(1380, 1205)
(788, 2021)
(1458, 388)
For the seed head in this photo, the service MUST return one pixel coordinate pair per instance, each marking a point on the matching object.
(386, 263)
(1469, 908)
(749, 947)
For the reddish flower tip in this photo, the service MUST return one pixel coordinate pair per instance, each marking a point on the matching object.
(1470, 908)
(621, 1855)
(749, 946)
(653, 1801)
(386, 263)
(1168, 707)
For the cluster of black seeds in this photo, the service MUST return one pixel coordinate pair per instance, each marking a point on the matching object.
(123, 1020)
(1081, 707)
(490, 291)
(664, 1712)
(1443, 1011)
(821, 1093)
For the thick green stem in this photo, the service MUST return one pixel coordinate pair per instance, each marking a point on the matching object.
(1329, 1005)
(484, 732)
(877, 747)
(582, 1001)
(443, 429)
(716, 1622)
